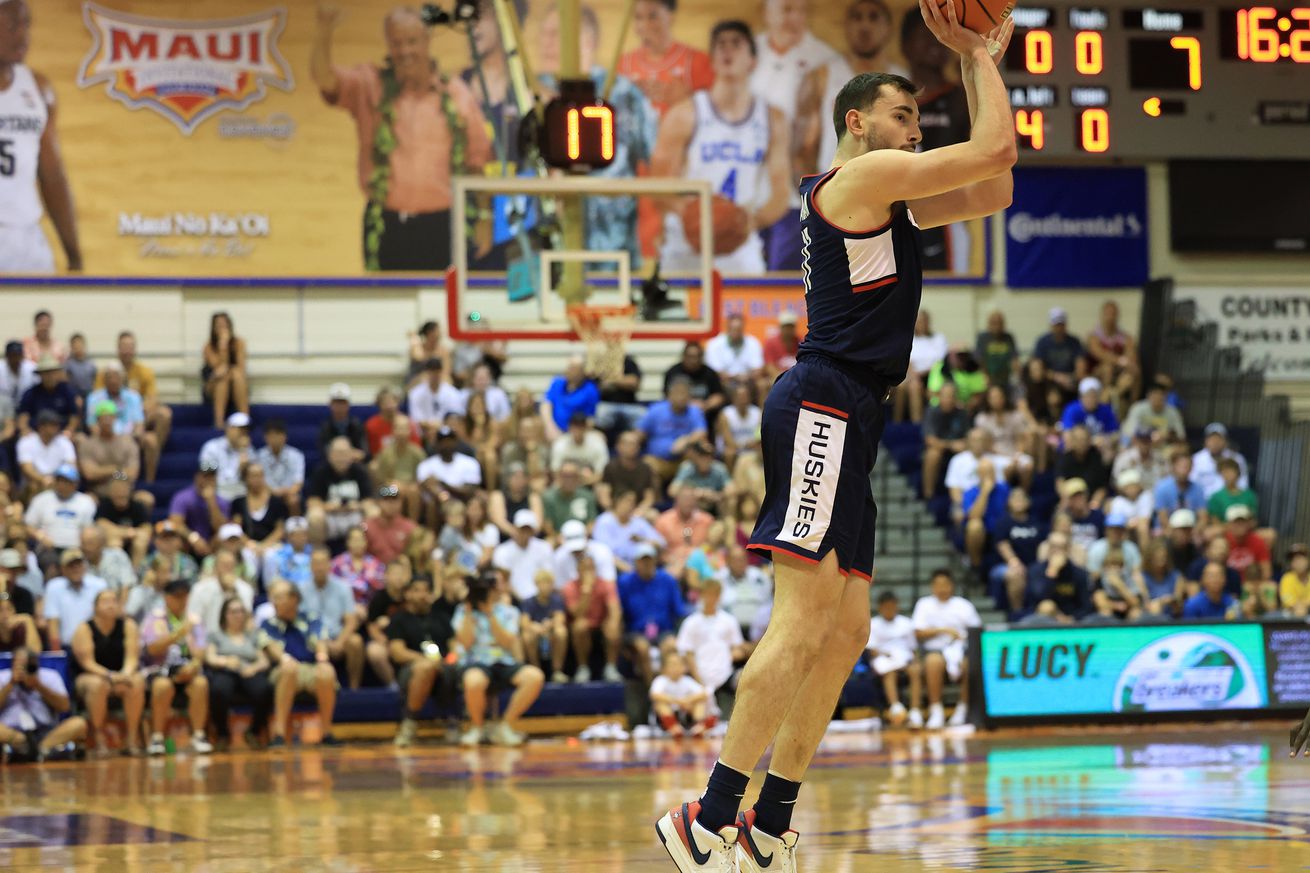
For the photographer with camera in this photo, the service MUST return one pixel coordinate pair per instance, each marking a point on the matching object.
(31, 699)
(418, 637)
(491, 661)
(174, 643)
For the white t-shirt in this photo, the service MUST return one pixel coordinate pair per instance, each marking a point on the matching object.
(962, 471)
(227, 458)
(893, 637)
(14, 385)
(744, 427)
(594, 453)
(680, 690)
(926, 351)
(207, 599)
(459, 471)
(498, 406)
(427, 406)
(956, 613)
(730, 362)
(46, 457)
(1205, 471)
(1142, 507)
(709, 639)
(744, 597)
(62, 520)
(566, 566)
(522, 565)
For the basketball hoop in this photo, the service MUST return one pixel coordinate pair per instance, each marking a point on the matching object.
(606, 331)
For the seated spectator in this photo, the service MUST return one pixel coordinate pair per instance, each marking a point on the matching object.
(198, 511)
(139, 378)
(1182, 538)
(174, 644)
(50, 394)
(627, 472)
(357, 568)
(737, 432)
(1057, 587)
(707, 560)
(1179, 491)
(983, 506)
(1017, 538)
(568, 499)
(106, 653)
(469, 355)
(17, 373)
(448, 473)
(1011, 431)
(1142, 458)
(1062, 354)
(226, 382)
(260, 513)
(431, 400)
(17, 629)
(652, 607)
(338, 495)
(468, 538)
(426, 346)
(487, 633)
(962, 471)
(43, 451)
(996, 350)
(1232, 493)
(746, 587)
(396, 464)
(340, 423)
(284, 465)
(623, 530)
(524, 555)
(573, 540)
(482, 383)
(79, 369)
(1217, 551)
(1135, 504)
(962, 370)
(12, 568)
(230, 539)
(595, 618)
(945, 427)
(1088, 411)
(1245, 546)
(618, 408)
(296, 647)
(1043, 400)
(56, 518)
(32, 698)
(1112, 356)
(26, 572)
(236, 665)
(684, 527)
(1121, 591)
(227, 454)
(102, 453)
(514, 493)
(1153, 414)
(583, 446)
(380, 426)
(528, 448)
(42, 342)
(734, 354)
(418, 637)
(215, 589)
(928, 350)
(941, 623)
(568, 395)
(1205, 463)
(704, 387)
(482, 435)
(108, 562)
(712, 642)
(781, 346)
(680, 702)
(168, 562)
(1087, 525)
(708, 477)
(329, 603)
(545, 625)
(1294, 587)
(382, 608)
(290, 560)
(1213, 600)
(893, 651)
(1164, 584)
(1080, 461)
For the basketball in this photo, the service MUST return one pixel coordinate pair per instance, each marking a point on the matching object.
(980, 16)
(730, 221)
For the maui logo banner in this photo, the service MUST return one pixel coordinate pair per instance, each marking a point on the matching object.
(187, 71)
(1077, 228)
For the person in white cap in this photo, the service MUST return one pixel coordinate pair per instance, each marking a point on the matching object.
(1097, 417)
(1181, 526)
(227, 454)
(1136, 504)
(218, 586)
(31, 168)
(1246, 548)
(523, 555)
(574, 539)
(1205, 463)
(340, 423)
(1062, 353)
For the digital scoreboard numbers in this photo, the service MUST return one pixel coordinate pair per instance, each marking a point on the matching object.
(1131, 81)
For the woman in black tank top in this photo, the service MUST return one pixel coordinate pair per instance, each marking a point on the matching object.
(514, 495)
(106, 663)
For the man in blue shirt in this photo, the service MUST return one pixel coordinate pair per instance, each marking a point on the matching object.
(1212, 601)
(984, 510)
(129, 408)
(652, 607)
(329, 601)
(567, 396)
(1058, 588)
(52, 393)
(1062, 352)
(670, 427)
(1017, 538)
(1179, 491)
(295, 646)
(1091, 413)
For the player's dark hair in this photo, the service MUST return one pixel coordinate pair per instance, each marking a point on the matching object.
(861, 92)
(736, 26)
(886, 597)
(942, 572)
(881, 4)
(425, 581)
(671, 5)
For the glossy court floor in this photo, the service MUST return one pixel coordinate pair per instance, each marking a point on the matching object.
(1213, 798)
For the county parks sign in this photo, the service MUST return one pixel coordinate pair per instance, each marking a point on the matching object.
(187, 71)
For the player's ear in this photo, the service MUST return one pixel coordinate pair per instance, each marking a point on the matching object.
(854, 123)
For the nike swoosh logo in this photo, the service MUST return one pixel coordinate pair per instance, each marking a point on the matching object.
(755, 850)
(701, 858)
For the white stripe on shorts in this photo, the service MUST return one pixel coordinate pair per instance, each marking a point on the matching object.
(815, 470)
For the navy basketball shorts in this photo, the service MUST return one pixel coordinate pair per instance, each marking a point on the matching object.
(819, 439)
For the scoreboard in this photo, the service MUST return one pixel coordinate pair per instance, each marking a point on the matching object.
(1117, 80)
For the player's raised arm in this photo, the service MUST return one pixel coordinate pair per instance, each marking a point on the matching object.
(53, 182)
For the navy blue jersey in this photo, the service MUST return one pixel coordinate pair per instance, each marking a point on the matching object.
(862, 290)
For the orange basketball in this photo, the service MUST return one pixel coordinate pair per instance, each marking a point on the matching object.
(731, 224)
(980, 16)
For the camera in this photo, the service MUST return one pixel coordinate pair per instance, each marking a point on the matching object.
(463, 11)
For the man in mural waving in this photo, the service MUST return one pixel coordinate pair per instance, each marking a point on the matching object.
(417, 128)
(31, 168)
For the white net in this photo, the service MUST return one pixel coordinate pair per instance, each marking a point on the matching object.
(605, 331)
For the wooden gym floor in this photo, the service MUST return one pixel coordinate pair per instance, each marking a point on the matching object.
(1211, 798)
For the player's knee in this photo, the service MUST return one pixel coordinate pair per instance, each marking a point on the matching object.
(530, 677)
(475, 680)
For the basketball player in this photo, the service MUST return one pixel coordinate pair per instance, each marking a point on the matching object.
(665, 70)
(30, 162)
(860, 224)
(734, 140)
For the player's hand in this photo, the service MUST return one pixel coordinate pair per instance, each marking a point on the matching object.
(998, 39)
(947, 28)
(1300, 735)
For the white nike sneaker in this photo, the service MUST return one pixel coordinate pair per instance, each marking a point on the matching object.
(757, 851)
(936, 718)
(693, 848)
(915, 721)
(960, 716)
(896, 713)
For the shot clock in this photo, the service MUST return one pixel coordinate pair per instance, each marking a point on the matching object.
(1131, 81)
(577, 131)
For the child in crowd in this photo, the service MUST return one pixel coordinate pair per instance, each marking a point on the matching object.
(679, 701)
(546, 627)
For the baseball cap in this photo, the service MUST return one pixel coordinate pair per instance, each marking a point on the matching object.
(1182, 518)
(297, 522)
(1129, 477)
(10, 559)
(67, 471)
(47, 364)
(1116, 519)
(338, 391)
(574, 534)
(206, 466)
(787, 317)
(1215, 427)
(238, 419)
(70, 556)
(167, 528)
(1089, 384)
(1237, 512)
(445, 434)
(177, 586)
(388, 491)
(1058, 315)
(230, 531)
(13, 347)
(645, 550)
(1073, 486)
(526, 518)
(105, 407)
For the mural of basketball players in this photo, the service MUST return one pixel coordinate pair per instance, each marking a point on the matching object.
(611, 221)
(787, 53)
(492, 73)
(735, 140)
(436, 131)
(32, 178)
(665, 70)
(868, 31)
